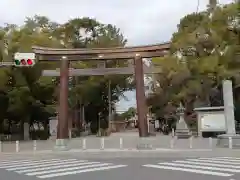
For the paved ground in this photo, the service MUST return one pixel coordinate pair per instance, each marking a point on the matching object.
(167, 166)
(129, 141)
(198, 161)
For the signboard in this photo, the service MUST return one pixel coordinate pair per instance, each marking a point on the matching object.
(24, 56)
(213, 122)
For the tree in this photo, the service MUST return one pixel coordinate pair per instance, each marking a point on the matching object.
(92, 92)
(205, 51)
(131, 112)
(28, 97)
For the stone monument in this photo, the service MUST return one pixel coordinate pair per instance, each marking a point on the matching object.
(223, 140)
(182, 130)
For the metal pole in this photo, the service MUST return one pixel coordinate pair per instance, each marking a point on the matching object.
(99, 124)
(83, 116)
(109, 103)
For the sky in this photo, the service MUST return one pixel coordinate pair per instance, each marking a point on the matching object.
(142, 22)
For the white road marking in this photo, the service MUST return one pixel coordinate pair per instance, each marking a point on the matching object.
(222, 159)
(34, 163)
(207, 164)
(80, 171)
(225, 158)
(68, 169)
(201, 167)
(9, 162)
(45, 165)
(190, 170)
(15, 161)
(55, 167)
(214, 161)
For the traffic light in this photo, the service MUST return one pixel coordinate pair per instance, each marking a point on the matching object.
(24, 59)
(24, 62)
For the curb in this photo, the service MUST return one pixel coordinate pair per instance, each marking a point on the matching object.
(159, 150)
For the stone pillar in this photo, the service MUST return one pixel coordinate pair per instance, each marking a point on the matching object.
(229, 106)
(223, 140)
(140, 97)
(62, 131)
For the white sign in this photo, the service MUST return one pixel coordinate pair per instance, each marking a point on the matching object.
(213, 122)
(53, 127)
(24, 56)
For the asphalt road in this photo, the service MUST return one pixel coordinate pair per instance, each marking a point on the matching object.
(72, 166)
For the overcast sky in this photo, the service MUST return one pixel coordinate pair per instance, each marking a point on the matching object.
(141, 21)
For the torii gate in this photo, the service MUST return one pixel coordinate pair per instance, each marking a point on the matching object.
(101, 54)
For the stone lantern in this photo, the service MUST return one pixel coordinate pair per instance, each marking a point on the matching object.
(182, 130)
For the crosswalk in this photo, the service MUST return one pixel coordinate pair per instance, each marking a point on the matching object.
(49, 168)
(215, 166)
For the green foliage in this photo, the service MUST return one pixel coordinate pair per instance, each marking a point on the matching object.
(131, 112)
(209, 52)
(27, 96)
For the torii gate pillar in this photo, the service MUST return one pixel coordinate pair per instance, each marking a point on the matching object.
(62, 128)
(140, 97)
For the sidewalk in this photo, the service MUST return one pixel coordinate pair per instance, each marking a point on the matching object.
(126, 153)
(117, 141)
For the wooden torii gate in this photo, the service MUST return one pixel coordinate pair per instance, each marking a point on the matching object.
(101, 54)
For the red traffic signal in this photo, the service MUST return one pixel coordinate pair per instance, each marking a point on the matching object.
(30, 62)
(24, 62)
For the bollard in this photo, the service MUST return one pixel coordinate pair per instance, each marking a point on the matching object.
(172, 143)
(34, 145)
(17, 146)
(230, 143)
(84, 147)
(173, 132)
(69, 134)
(121, 143)
(102, 143)
(191, 142)
(210, 142)
(1, 148)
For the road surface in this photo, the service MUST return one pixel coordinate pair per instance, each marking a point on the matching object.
(73, 167)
